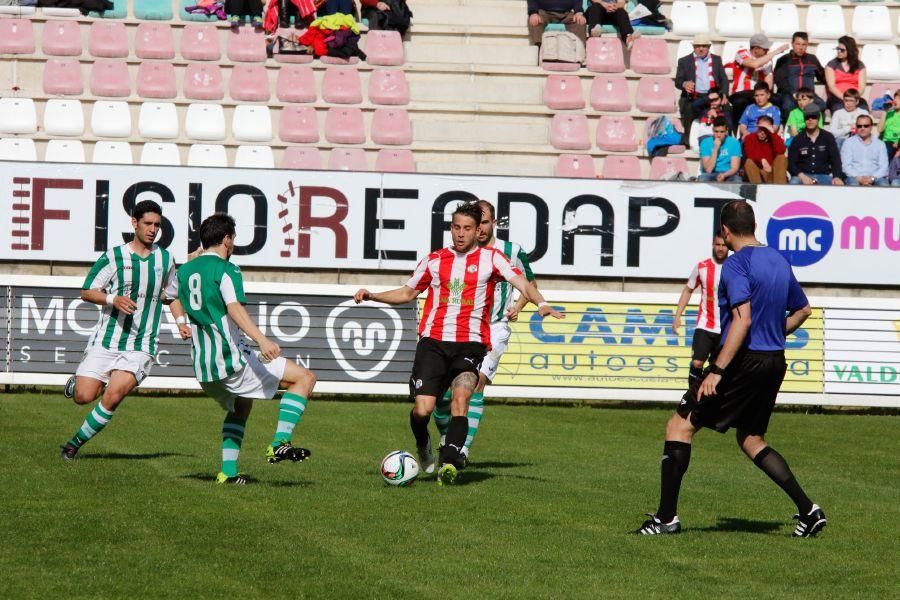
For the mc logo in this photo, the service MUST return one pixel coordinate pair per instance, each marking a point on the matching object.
(802, 232)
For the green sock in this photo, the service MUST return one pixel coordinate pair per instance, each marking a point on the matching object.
(289, 413)
(476, 411)
(232, 437)
(93, 424)
(442, 414)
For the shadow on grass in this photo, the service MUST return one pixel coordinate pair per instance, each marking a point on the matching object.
(125, 456)
(469, 477)
(498, 464)
(207, 477)
(730, 524)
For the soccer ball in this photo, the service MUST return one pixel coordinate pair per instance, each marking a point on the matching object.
(399, 468)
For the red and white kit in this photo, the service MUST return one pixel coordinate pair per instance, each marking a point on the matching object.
(706, 275)
(460, 293)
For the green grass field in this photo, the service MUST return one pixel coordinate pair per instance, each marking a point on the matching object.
(543, 510)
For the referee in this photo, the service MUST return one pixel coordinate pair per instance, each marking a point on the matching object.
(756, 290)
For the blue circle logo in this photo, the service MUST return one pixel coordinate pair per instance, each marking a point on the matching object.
(801, 231)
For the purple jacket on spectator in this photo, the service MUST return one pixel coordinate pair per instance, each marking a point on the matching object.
(894, 170)
(555, 6)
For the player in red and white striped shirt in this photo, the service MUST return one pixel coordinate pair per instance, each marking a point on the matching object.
(705, 275)
(454, 331)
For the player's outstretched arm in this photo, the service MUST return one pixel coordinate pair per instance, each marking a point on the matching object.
(121, 303)
(533, 295)
(180, 319)
(796, 319)
(267, 348)
(686, 294)
(400, 295)
(513, 313)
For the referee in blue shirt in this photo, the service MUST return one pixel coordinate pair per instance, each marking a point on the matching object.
(757, 289)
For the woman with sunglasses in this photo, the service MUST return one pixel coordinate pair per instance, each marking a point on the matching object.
(844, 72)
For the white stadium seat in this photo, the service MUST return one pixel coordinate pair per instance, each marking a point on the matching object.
(205, 122)
(251, 123)
(70, 151)
(881, 61)
(254, 157)
(17, 149)
(113, 153)
(689, 17)
(158, 120)
(160, 154)
(825, 51)
(825, 21)
(779, 19)
(207, 155)
(730, 49)
(111, 118)
(17, 115)
(63, 116)
(735, 19)
(872, 23)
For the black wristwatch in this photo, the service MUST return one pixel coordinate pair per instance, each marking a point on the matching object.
(716, 369)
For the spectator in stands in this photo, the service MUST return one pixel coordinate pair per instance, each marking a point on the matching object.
(894, 171)
(796, 121)
(331, 7)
(238, 9)
(655, 18)
(863, 156)
(703, 125)
(720, 155)
(543, 12)
(749, 68)
(813, 157)
(843, 121)
(764, 154)
(391, 15)
(761, 106)
(795, 70)
(612, 12)
(843, 73)
(698, 73)
(890, 126)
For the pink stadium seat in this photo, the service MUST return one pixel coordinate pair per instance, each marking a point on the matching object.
(604, 55)
(156, 80)
(656, 95)
(291, 58)
(621, 167)
(249, 83)
(575, 165)
(570, 132)
(395, 160)
(16, 36)
(344, 125)
(563, 92)
(298, 124)
(663, 167)
(616, 134)
(61, 38)
(296, 84)
(391, 127)
(246, 45)
(203, 81)
(200, 42)
(335, 60)
(108, 39)
(298, 157)
(63, 76)
(387, 86)
(154, 40)
(110, 79)
(610, 93)
(347, 159)
(384, 48)
(341, 86)
(651, 56)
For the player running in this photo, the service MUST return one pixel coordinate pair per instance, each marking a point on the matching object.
(739, 388)
(211, 290)
(706, 276)
(130, 283)
(454, 331)
(502, 312)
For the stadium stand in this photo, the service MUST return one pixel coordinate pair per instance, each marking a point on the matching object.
(475, 99)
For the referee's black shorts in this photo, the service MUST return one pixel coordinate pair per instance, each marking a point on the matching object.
(744, 398)
(438, 363)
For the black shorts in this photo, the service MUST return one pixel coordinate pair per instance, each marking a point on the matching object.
(744, 397)
(438, 363)
(706, 344)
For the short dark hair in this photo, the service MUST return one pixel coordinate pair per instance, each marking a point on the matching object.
(145, 206)
(851, 93)
(469, 209)
(869, 117)
(761, 85)
(805, 91)
(214, 228)
(738, 217)
(718, 234)
(720, 122)
(765, 119)
(485, 205)
(800, 35)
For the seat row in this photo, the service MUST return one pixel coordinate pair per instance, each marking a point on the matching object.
(620, 167)
(613, 133)
(781, 19)
(155, 10)
(394, 160)
(610, 94)
(108, 39)
(205, 122)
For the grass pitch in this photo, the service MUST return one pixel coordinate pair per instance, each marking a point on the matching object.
(542, 512)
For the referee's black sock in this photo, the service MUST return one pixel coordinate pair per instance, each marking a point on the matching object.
(675, 461)
(774, 465)
(419, 428)
(455, 440)
(694, 375)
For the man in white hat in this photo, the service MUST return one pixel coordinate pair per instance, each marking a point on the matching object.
(697, 74)
(750, 67)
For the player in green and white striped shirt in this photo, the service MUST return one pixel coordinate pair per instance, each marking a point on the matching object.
(211, 291)
(503, 311)
(130, 282)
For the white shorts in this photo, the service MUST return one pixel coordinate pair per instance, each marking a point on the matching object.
(257, 380)
(500, 333)
(99, 363)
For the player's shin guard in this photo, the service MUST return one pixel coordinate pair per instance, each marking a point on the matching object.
(290, 410)
(93, 424)
(773, 464)
(232, 438)
(456, 438)
(442, 413)
(476, 411)
(419, 429)
(675, 461)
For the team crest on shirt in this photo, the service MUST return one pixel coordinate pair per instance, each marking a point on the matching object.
(472, 268)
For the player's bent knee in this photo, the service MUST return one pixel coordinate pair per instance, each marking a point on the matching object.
(679, 427)
(84, 397)
(697, 364)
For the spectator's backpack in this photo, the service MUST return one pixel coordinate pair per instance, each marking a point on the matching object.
(660, 135)
(561, 46)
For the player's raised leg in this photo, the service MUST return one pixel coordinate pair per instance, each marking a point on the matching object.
(232, 438)
(120, 385)
(419, 416)
(298, 382)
